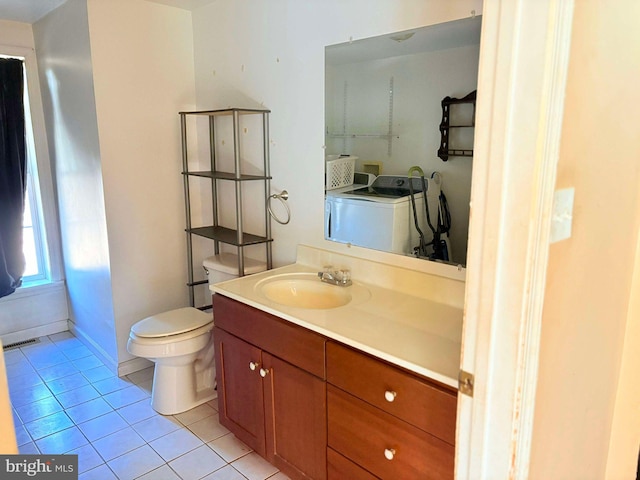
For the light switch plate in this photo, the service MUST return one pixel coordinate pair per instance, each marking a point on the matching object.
(562, 214)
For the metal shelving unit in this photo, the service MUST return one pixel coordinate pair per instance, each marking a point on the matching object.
(237, 236)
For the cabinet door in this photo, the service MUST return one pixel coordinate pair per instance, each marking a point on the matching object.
(240, 393)
(296, 420)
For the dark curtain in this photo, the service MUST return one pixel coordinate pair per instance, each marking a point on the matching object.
(12, 174)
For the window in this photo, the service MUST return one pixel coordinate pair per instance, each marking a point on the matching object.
(37, 217)
(34, 240)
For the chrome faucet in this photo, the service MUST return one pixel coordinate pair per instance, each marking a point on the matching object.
(342, 278)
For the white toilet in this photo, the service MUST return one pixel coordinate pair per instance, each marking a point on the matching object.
(180, 342)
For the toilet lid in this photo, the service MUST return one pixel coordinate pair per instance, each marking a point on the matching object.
(173, 322)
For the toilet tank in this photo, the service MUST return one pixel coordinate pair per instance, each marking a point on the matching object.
(224, 266)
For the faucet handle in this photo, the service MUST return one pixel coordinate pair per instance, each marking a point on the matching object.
(344, 276)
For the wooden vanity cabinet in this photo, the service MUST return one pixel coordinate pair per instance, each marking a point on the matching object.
(271, 387)
(384, 422)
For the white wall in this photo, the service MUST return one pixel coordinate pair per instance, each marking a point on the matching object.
(143, 74)
(64, 58)
(116, 75)
(271, 54)
(420, 82)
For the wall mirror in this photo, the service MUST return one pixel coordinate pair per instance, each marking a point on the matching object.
(383, 116)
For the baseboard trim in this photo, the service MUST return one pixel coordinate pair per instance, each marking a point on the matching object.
(34, 332)
(97, 350)
(133, 365)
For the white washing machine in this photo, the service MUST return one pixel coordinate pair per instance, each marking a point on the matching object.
(380, 216)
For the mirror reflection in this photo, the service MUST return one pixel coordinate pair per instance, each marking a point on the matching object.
(390, 135)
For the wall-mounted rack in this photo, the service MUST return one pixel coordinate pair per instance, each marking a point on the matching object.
(389, 135)
(446, 150)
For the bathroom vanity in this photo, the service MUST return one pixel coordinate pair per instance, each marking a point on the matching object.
(363, 390)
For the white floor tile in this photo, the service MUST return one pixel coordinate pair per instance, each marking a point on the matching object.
(111, 384)
(77, 396)
(279, 476)
(103, 426)
(60, 336)
(124, 397)
(98, 373)
(197, 463)
(88, 410)
(208, 429)
(41, 408)
(103, 472)
(48, 359)
(195, 414)
(225, 473)
(156, 427)
(77, 352)
(23, 376)
(48, 425)
(66, 405)
(229, 447)
(137, 412)
(136, 463)
(88, 458)
(28, 395)
(64, 384)
(175, 444)
(141, 375)
(22, 436)
(57, 371)
(20, 368)
(163, 473)
(87, 363)
(118, 443)
(13, 356)
(254, 467)
(28, 449)
(146, 386)
(62, 442)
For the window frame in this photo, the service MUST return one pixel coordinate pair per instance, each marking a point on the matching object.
(40, 182)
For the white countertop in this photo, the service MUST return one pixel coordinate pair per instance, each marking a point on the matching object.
(417, 333)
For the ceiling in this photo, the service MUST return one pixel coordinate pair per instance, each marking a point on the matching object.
(458, 33)
(30, 11)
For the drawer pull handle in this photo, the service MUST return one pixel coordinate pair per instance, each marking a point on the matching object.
(389, 453)
(390, 395)
(263, 372)
(253, 365)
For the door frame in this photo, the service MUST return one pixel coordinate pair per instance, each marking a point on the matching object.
(524, 56)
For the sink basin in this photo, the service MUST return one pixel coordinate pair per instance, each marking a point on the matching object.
(305, 290)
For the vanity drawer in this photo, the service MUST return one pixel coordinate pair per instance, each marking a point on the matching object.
(383, 444)
(292, 343)
(428, 406)
(339, 468)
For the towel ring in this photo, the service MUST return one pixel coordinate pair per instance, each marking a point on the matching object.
(283, 197)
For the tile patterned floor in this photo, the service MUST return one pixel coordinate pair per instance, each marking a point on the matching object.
(66, 401)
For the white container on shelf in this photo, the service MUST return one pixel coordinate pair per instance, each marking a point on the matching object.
(339, 171)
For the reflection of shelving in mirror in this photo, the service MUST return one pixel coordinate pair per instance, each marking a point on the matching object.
(345, 134)
(458, 120)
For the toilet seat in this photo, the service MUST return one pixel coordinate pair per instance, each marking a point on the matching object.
(174, 322)
(178, 337)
